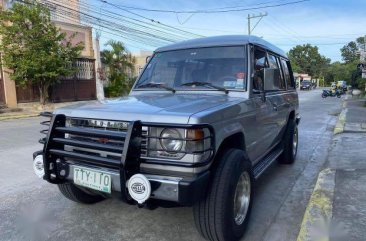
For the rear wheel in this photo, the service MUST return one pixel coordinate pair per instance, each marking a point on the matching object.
(290, 143)
(223, 214)
(72, 192)
(324, 95)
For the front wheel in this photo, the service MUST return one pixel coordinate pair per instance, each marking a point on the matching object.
(324, 95)
(72, 192)
(223, 214)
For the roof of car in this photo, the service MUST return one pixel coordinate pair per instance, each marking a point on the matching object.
(225, 40)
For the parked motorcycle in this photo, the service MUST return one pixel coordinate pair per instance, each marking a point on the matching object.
(330, 93)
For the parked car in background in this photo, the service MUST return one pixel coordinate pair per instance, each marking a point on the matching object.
(203, 121)
(306, 85)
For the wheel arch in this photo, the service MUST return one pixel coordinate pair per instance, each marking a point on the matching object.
(236, 140)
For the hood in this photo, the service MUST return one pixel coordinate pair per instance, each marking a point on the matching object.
(148, 107)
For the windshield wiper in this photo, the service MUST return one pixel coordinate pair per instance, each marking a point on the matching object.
(197, 83)
(156, 85)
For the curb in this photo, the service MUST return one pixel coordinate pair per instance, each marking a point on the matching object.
(319, 208)
(13, 117)
(339, 128)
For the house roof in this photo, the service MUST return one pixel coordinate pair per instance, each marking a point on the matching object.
(225, 40)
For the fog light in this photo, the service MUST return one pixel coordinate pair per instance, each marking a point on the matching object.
(139, 188)
(38, 166)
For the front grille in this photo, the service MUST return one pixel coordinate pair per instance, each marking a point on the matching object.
(96, 142)
(90, 145)
(144, 141)
(113, 147)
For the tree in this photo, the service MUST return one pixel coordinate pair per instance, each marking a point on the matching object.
(120, 67)
(338, 71)
(307, 59)
(351, 56)
(349, 51)
(34, 48)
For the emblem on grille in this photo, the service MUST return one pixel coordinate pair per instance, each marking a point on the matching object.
(103, 140)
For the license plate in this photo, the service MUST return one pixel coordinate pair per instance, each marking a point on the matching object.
(92, 179)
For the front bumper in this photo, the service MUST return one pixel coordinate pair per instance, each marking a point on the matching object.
(184, 191)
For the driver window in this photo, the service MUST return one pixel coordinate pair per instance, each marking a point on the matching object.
(260, 62)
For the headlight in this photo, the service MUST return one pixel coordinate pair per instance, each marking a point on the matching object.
(171, 140)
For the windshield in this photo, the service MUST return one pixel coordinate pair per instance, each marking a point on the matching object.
(216, 68)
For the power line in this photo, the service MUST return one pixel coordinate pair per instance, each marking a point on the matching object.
(123, 28)
(175, 35)
(320, 44)
(152, 20)
(212, 10)
(128, 33)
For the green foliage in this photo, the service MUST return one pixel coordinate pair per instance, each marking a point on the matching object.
(120, 66)
(339, 71)
(34, 48)
(349, 51)
(307, 59)
(351, 59)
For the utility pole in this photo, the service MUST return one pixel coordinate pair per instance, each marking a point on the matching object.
(98, 68)
(260, 16)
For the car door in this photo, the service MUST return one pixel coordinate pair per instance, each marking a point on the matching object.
(275, 89)
(265, 115)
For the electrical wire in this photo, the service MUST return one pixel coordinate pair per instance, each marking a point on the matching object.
(207, 11)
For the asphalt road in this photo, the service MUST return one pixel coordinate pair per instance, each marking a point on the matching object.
(30, 208)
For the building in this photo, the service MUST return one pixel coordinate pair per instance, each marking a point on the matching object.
(82, 86)
(141, 59)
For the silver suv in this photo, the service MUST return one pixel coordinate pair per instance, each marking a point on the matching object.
(201, 124)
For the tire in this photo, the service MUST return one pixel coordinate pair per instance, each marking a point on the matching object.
(324, 95)
(288, 155)
(72, 192)
(214, 213)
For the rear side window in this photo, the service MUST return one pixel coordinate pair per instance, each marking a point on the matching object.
(287, 75)
(277, 83)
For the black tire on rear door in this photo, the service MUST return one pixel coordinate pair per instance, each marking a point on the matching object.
(72, 192)
(290, 143)
(223, 214)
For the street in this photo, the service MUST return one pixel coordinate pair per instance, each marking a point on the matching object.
(281, 194)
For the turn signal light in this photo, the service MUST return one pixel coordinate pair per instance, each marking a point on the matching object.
(195, 134)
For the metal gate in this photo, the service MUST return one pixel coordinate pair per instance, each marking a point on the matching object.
(81, 86)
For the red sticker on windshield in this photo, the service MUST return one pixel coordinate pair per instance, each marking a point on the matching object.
(240, 75)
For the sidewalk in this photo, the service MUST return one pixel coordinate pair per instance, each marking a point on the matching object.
(337, 207)
(26, 110)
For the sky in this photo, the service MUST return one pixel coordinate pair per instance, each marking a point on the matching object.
(329, 24)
